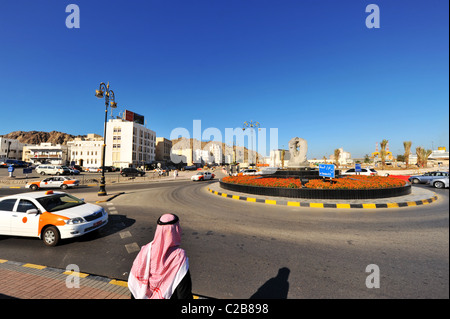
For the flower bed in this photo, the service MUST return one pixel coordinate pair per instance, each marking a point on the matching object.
(348, 182)
(350, 187)
(264, 182)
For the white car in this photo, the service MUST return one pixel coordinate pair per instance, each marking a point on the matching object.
(364, 171)
(439, 182)
(52, 170)
(202, 176)
(49, 215)
(249, 172)
(62, 182)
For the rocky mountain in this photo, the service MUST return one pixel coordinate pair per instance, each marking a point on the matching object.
(37, 137)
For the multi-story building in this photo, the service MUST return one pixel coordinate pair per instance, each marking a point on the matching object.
(46, 153)
(86, 151)
(10, 149)
(163, 149)
(129, 144)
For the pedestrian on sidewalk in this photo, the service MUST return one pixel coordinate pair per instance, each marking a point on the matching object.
(161, 269)
(175, 174)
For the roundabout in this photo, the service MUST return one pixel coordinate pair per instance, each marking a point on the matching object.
(405, 196)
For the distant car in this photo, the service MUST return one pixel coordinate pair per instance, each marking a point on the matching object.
(425, 178)
(52, 170)
(72, 170)
(249, 172)
(93, 169)
(110, 169)
(62, 182)
(49, 215)
(439, 182)
(202, 176)
(131, 171)
(364, 171)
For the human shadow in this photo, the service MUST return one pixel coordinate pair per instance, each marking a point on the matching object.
(274, 288)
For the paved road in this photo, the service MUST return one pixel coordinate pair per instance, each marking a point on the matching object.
(237, 249)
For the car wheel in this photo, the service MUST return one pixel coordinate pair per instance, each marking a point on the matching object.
(64, 186)
(34, 187)
(415, 181)
(439, 184)
(50, 236)
(42, 173)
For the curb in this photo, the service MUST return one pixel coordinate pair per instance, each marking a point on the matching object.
(109, 198)
(325, 205)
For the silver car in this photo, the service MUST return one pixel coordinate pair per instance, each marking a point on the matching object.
(439, 182)
(425, 178)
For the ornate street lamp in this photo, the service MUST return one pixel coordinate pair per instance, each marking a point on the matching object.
(251, 125)
(108, 94)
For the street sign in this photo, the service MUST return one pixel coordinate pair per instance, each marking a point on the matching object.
(10, 169)
(357, 167)
(326, 170)
(27, 170)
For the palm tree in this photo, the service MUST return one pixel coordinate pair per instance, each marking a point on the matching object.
(383, 152)
(422, 156)
(407, 146)
(337, 153)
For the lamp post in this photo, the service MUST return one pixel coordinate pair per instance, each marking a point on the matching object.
(251, 125)
(108, 94)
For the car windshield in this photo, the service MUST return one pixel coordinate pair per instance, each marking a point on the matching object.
(59, 202)
(200, 173)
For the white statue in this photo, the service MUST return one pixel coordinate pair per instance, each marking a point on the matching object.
(298, 147)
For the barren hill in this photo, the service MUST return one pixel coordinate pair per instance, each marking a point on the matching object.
(37, 137)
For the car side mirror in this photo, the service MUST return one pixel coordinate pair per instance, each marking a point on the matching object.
(32, 211)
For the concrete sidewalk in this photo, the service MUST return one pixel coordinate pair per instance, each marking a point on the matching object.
(29, 281)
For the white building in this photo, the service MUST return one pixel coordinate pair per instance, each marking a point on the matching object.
(216, 151)
(10, 149)
(129, 144)
(87, 151)
(47, 153)
(202, 157)
(344, 157)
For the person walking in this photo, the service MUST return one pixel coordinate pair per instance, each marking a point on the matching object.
(161, 269)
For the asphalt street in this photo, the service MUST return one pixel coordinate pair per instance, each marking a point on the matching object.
(242, 250)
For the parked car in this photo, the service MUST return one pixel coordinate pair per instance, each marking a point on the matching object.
(131, 171)
(439, 182)
(110, 169)
(202, 176)
(249, 172)
(93, 169)
(72, 170)
(52, 170)
(49, 215)
(62, 182)
(14, 162)
(425, 178)
(364, 171)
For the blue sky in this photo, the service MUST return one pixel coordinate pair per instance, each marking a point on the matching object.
(310, 68)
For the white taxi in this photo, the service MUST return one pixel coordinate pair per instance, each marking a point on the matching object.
(202, 176)
(49, 215)
(62, 182)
